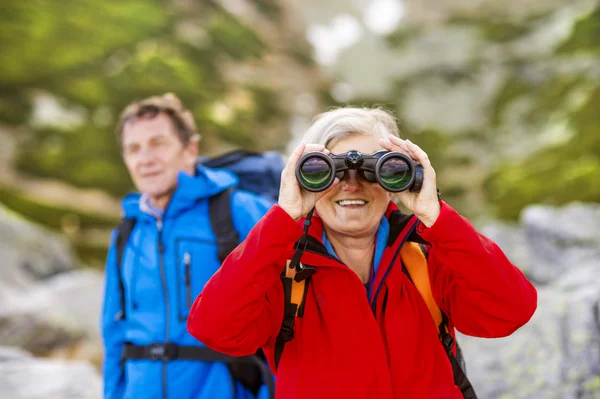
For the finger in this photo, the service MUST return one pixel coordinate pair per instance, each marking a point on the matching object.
(398, 142)
(313, 148)
(386, 144)
(419, 155)
(393, 143)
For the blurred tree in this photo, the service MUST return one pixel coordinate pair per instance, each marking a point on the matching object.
(97, 56)
(68, 68)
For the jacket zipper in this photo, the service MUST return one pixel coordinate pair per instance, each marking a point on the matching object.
(187, 261)
(161, 250)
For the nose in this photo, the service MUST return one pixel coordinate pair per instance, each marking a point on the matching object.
(351, 181)
(146, 154)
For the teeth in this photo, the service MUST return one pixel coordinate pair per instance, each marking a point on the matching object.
(351, 202)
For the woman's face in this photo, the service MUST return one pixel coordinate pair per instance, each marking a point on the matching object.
(354, 207)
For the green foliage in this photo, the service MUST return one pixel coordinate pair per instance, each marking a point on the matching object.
(547, 96)
(268, 7)
(268, 99)
(100, 56)
(237, 40)
(40, 39)
(511, 90)
(401, 36)
(50, 215)
(500, 29)
(585, 36)
(90, 254)
(554, 175)
(87, 157)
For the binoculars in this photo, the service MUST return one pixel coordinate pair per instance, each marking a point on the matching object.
(394, 171)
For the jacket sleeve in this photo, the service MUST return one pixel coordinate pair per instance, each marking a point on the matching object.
(484, 294)
(241, 307)
(113, 334)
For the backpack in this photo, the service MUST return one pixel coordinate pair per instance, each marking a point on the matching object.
(259, 173)
(414, 266)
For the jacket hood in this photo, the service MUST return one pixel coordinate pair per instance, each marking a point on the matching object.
(204, 184)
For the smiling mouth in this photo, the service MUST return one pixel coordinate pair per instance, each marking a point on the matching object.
(147, 175)
(351, 203)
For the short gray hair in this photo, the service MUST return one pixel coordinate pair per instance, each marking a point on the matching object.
(332, 126)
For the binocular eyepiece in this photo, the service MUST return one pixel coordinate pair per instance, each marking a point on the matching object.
(394, 171)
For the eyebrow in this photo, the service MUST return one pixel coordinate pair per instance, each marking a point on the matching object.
(156, 136)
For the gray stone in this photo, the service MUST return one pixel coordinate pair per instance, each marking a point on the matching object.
(11, 353)
(49, 379)
(29, 253)
(557, 354)
(59, 312)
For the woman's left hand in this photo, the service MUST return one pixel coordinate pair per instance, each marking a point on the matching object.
(424, 204)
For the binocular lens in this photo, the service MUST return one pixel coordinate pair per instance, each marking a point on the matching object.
(395, 173)
(315, 172)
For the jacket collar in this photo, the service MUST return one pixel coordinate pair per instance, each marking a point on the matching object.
(190, 189)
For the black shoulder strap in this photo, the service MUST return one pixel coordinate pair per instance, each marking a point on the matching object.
(123, 232)
(295, 287)
(221, 221)
(457, 362)
(460, 378)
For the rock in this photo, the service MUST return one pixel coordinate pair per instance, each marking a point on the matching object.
(557, 354)
(58, 313)
(11, 353)
(47, 305)
(24, 377)
(29, 253)
(552, 241)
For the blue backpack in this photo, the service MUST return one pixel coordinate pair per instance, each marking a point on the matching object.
(258, 173)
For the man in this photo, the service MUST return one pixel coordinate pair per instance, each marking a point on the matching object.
(169, 254)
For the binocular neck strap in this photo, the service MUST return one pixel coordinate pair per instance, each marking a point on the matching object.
(301, 246)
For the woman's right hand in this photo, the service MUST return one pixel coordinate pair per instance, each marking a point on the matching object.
(292, 198)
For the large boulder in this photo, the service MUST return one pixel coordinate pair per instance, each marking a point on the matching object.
(29, 253)
(25, 377)
(557, 354)
(48, 305)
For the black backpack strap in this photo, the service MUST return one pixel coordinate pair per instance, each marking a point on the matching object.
(251, 371)
(221, 221)
(295, 287)
(123, 232)
(460, 378)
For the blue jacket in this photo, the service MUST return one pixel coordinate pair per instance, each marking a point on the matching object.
(157, 298)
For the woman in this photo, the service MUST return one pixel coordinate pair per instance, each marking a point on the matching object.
(365, 329)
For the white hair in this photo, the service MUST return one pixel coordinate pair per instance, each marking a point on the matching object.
(332, 126)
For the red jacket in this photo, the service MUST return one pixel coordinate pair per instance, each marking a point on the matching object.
(340, 348)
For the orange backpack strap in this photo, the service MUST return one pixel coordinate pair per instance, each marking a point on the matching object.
(414, 264)
(294, 294)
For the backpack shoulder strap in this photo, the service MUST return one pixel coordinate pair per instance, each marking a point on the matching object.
(415, 263)
(294, 294)
(414, 260)
(123, 232)
(221, 221)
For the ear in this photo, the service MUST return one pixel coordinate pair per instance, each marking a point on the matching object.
(191, 151)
